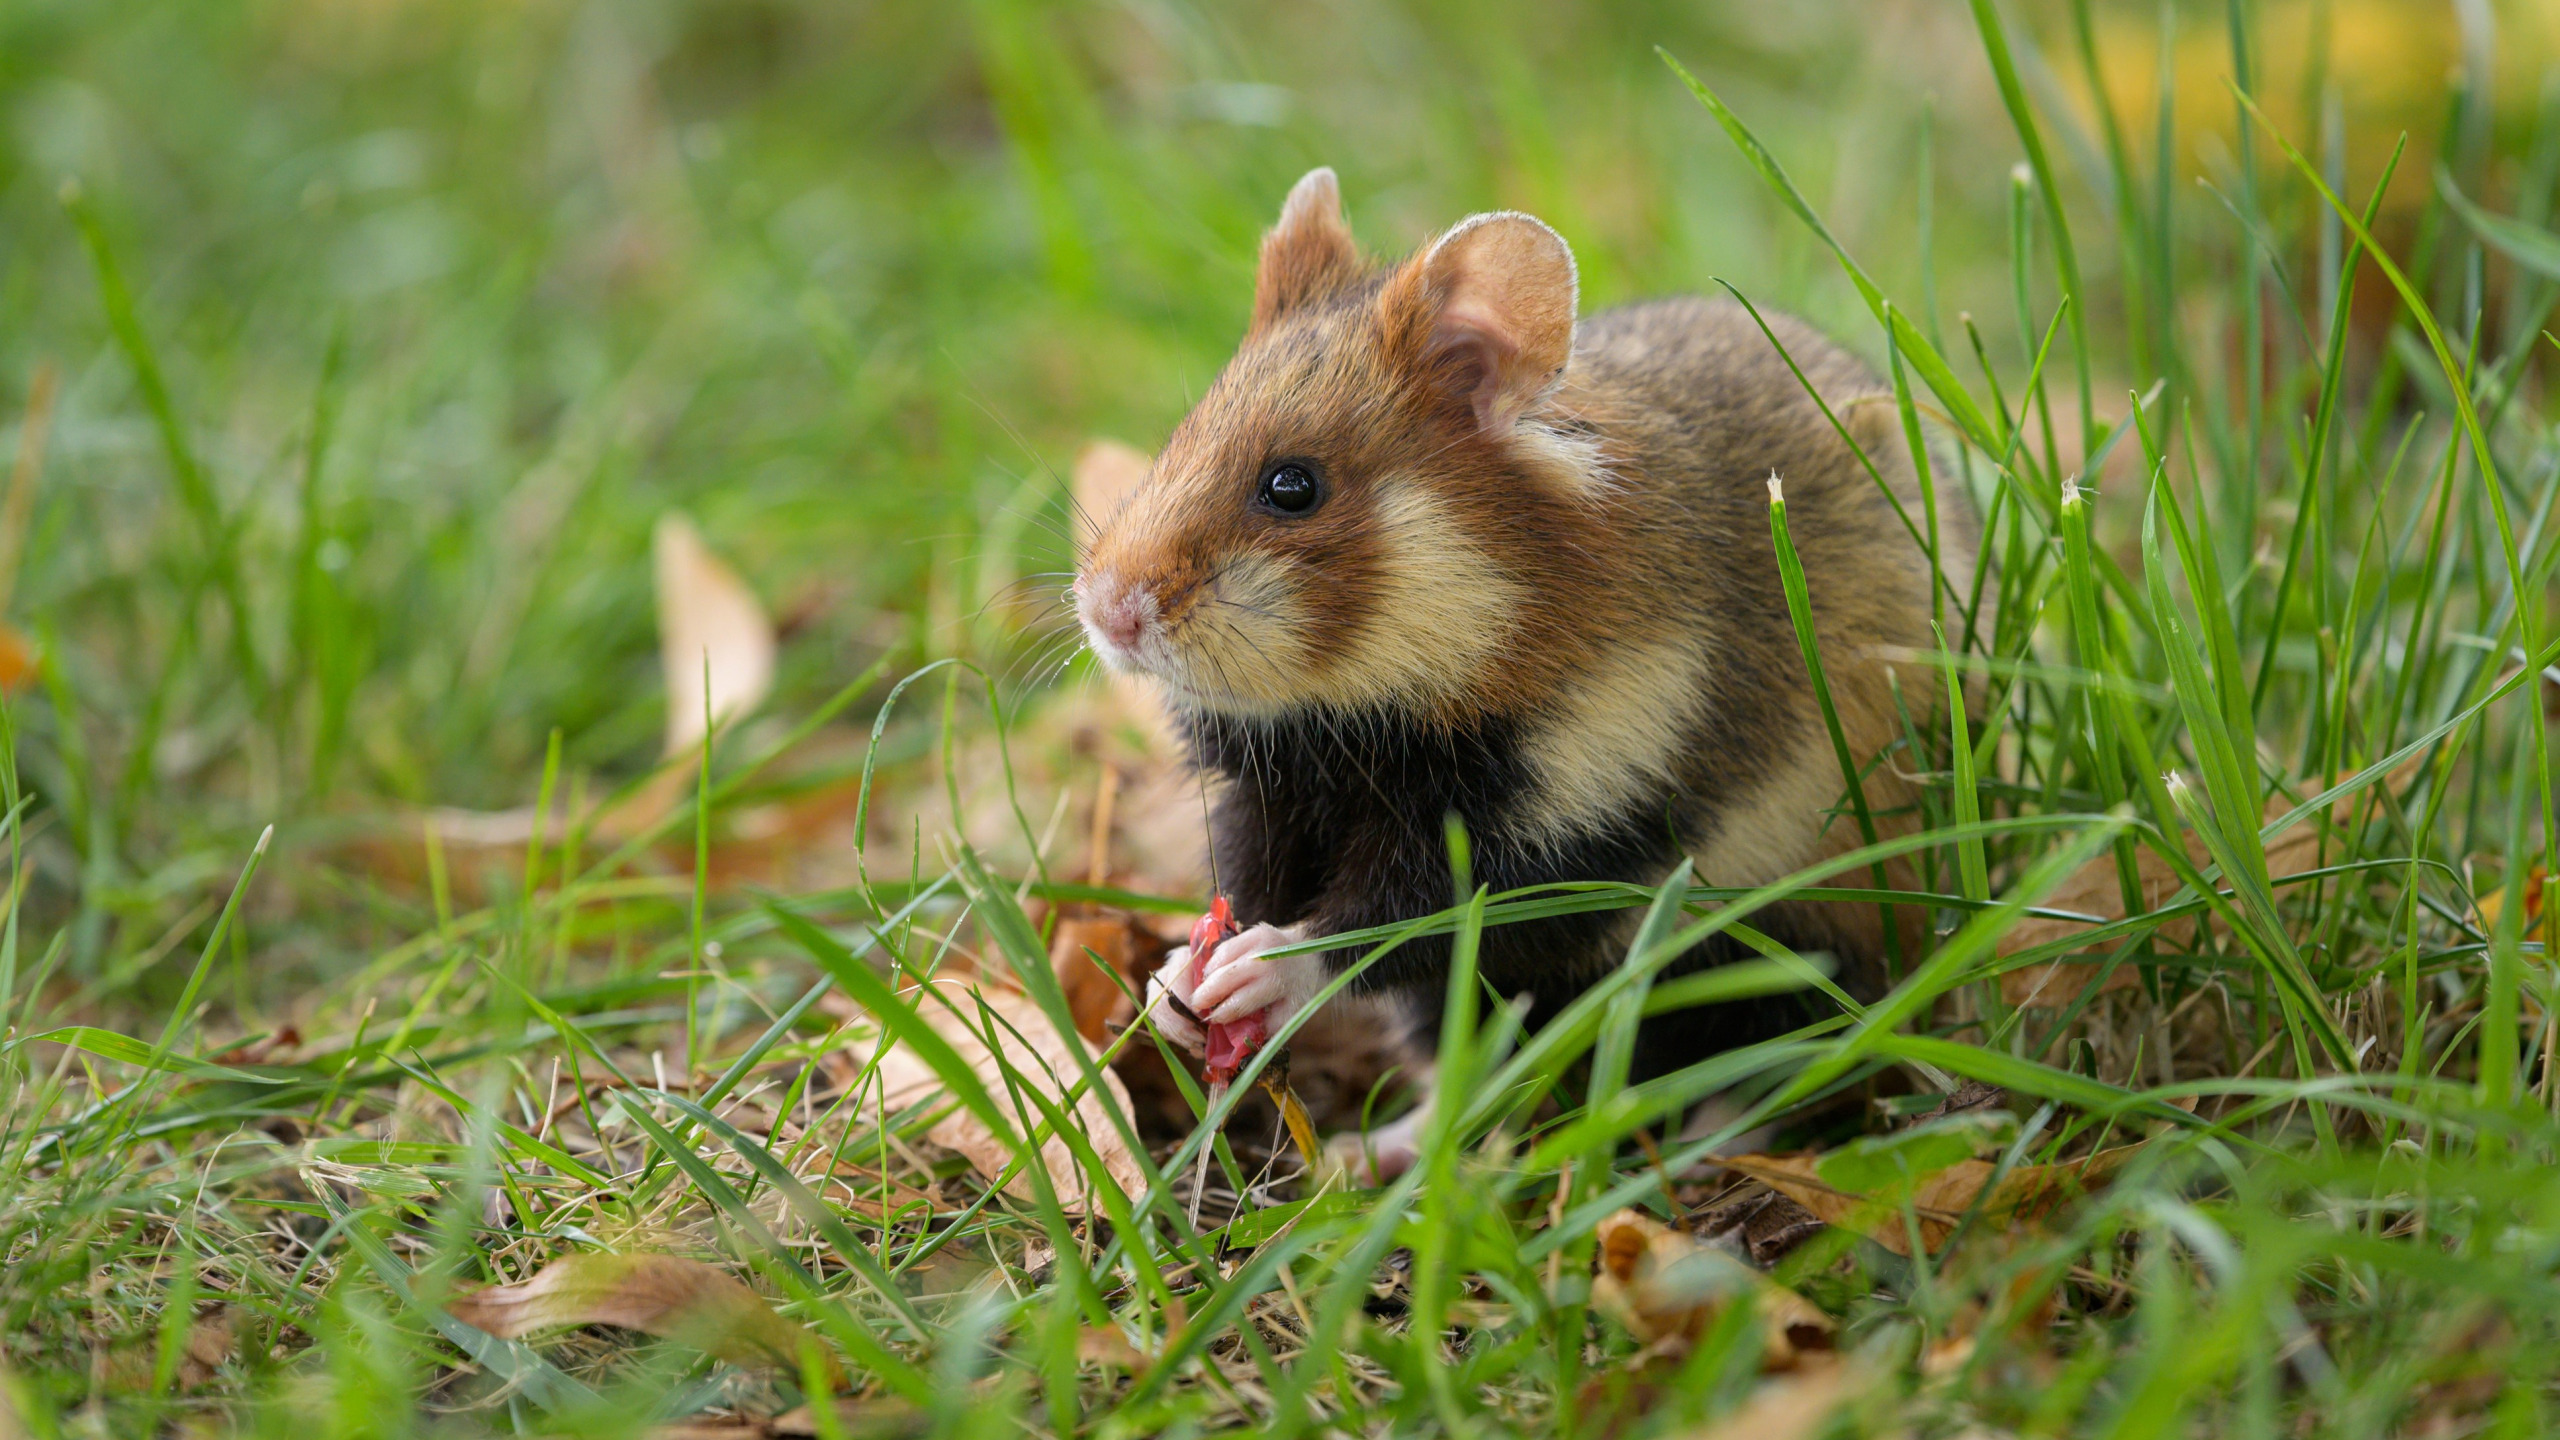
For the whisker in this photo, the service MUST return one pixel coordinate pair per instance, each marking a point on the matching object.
(1040, 655)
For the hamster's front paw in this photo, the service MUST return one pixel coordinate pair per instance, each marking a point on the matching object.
(1238, 982)
(1374, 1157)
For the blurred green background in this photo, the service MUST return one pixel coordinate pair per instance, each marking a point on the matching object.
(849, 283)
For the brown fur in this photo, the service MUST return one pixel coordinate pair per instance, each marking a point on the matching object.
(1566, 529)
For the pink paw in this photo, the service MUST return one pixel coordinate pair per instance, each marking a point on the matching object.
(1235, 985)
(1374, 1157)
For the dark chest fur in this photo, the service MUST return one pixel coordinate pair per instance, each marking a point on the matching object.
(1338, 820)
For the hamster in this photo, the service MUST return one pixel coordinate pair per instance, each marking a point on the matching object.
(1430, 544)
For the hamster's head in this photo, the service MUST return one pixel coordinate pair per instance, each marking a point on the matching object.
(1369, 505)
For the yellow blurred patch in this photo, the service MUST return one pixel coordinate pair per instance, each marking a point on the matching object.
(2390, 61)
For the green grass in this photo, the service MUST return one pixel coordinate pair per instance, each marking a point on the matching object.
(387, 331)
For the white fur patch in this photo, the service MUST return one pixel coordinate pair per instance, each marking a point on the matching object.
(1779, 829)
(1439, 616)
(1239, 646)
(1615, 736)
(1439, 612)
(1574, 464)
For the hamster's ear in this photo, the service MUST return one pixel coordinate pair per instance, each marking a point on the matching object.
(1488, 313)
(1309, 254)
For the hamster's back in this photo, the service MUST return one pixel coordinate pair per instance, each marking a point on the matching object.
(1700, 411)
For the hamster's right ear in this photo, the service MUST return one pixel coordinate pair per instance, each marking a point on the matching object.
(1487, 312)
(1310, 254)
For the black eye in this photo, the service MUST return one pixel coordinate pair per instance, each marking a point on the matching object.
(1289, 488)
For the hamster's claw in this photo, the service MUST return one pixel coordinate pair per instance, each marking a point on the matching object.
(1169, 1002)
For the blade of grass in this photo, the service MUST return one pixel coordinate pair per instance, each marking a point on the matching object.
(215, 535)
(1808, 644)
(143, 1086)
(2526, 623)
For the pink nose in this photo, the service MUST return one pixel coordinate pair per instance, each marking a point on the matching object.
(1119, 613)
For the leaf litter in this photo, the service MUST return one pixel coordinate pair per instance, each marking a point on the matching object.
(670, 1296)
(1005, 1038)
(1939, 1197)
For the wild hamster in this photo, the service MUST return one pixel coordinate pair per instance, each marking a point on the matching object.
(1428, 544)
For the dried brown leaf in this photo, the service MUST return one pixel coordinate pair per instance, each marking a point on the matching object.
(1027, 1044)
(1946, 1355)
(2491, 906)
(132, 1361)
(1123, 944)
(266, 1050)
(668, 1296)
(1105, 472)
(1098, 1345)
(1759, 1222)
(706, 614)
(1666, 1289)
(2025, 1195)
(716, 649)
(211, 1340)
(17, 658)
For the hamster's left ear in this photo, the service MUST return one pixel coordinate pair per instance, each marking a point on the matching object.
(1309, 254)
(1488, 313)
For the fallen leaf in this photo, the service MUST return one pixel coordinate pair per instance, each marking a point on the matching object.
(1760, 1222)
(1098, 994)
(706, 614)
(1099, 1345)
(132, 1361)
(1126, 946)
(2494, 904)
(716, 650)
(1788, 1407)
(263, 1050)
(955, 1269)
(1106, 471)
(1029, 1046)
(668, 1296)
(17, 659)
(1969, 1095)
(1940, 1198)
(1890, 1163)
(2094, 890)
(1666, 1289)
(211, 1340)
(1946, 1355)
